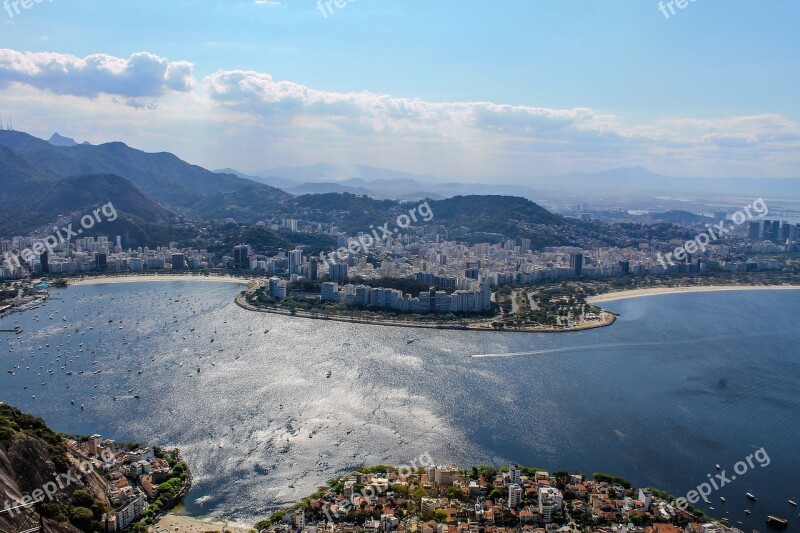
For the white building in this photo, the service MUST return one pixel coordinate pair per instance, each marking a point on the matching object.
(550, 501)
(514, 495)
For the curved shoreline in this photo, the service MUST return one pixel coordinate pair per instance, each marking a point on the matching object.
(103, 280)
(659, 291)
(608, 319)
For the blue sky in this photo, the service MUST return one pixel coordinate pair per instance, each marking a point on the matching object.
(552, 85)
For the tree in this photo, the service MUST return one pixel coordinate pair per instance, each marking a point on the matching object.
(440, 515)
(81, 517)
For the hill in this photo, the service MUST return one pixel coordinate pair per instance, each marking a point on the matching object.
(161, 175)
(33, 456)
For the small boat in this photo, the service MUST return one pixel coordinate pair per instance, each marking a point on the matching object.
(776, 521)
(750, 497)
(747, 511)
(329, 374)
(718, 467)
(792, 502)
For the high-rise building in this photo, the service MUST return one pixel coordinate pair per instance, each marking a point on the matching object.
(786, 231)
(278, 288)
(45, 262)
(101, 261)
(514, 474)
(550, 500)
(576, 264)
(295, 261)
(776, 231)
(514, 496)
(625, 267)
(338, 271)
(241, 256)
(755, 231)
(178, 262)
(330, 291)
(767, 230)
(313, 269)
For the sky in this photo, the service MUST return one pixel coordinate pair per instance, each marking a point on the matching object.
(461, 89)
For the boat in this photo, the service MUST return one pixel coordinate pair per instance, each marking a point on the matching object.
(776, 521)
(747, 511)
(329, 374)
(718, 467)
(792, 502)
(751, 497)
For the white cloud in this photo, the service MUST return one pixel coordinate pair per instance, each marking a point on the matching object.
(249, 120)
(141, 75)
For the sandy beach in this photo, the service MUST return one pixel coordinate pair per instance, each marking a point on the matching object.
(172, 523)
(160, 277)
(619, 295)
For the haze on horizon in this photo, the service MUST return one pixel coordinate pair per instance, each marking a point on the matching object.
(450, 88)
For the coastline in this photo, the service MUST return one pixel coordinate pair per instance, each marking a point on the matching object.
(657, 291)
(103, 280)
(485, 326)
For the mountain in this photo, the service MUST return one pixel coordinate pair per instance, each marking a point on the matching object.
(467, 217)
(266, 179)
(58, 140)
(80, 193)
(47, 200)
(326, 172)
(619, 182)
(160, 175)
(325, 188)
(31, 457)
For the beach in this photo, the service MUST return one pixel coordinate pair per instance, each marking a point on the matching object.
(159, 277)
(173, 523)
(636, 293)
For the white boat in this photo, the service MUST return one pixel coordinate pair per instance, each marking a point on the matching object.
(722, 498)
(792, 502)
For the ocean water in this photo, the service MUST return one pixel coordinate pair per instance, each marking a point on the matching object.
(679, 384)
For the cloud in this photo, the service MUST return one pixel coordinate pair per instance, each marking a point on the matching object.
(250, 120)
(374, 113)
(142, 75)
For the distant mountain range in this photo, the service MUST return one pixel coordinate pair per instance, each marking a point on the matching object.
(386, 183)
(160, 197)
